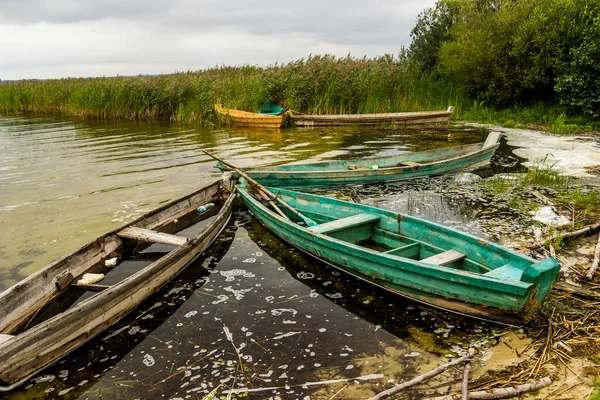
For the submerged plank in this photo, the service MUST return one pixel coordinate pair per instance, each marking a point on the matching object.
(148, 235)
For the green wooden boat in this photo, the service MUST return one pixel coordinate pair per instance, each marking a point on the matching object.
(373, 170)
(413, 257)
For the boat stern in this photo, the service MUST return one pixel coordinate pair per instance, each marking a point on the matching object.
(542, 275)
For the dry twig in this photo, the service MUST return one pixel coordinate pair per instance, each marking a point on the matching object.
(421, 378)
(502, 393)
(594, 267)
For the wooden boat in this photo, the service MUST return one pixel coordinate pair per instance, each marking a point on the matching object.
(410, 256)
(50, 313)
(400, 118)
(373, 170)
(250, 119)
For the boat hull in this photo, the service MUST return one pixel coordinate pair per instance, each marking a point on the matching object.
(401, 118)
(447, 160)
(24, 352)
(249, 119)
(477, 295)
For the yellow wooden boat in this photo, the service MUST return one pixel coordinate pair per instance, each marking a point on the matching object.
(250, 119)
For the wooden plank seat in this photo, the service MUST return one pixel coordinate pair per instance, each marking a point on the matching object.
(345, 223)
(444, 258)
(506, 272)
(148, 235)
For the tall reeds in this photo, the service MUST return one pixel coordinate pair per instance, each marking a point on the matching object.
(318, 84)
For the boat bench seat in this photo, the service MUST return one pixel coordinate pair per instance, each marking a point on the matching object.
(444, 258)
(507, 272)
(345, 223)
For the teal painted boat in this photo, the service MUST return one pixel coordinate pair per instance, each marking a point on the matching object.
(373, 170)
(419, 259)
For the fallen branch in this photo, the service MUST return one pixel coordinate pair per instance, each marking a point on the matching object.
(421, 378)
(594, 267)
(576, 290)
(501, 393)
(580, 232)
(465, 382)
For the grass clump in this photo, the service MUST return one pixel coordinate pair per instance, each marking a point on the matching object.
(523, 191)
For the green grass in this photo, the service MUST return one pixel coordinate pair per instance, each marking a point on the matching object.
(577, 202)
(596, 395)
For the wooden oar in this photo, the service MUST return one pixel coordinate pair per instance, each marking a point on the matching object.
(270, 196)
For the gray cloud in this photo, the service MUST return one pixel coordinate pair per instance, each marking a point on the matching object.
(38, 34)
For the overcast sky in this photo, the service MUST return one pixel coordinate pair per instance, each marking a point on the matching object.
(80, 38)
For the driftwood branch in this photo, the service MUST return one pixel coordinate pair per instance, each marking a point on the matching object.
(422, 378)
(576, 290)
(501, 393)
(580, 232)
(466, 373)
(594, 267)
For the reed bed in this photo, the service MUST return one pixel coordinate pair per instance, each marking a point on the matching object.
(318, 84)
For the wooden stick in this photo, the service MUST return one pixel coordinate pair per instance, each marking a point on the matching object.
(419, 379)
(501, 393)
(465, 381)
(576, 290)
(594, 267)
(266, 191)
(580, 232)
(265, 197)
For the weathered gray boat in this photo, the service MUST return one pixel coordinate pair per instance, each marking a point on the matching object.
(40, 317)
(399, 118)
(381, 169)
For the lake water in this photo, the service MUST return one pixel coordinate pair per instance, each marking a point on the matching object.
(252, 314)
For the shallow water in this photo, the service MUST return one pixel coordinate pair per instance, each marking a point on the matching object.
(251, 313)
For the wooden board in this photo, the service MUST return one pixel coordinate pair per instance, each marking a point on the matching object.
(344, 223)
(148, 235)
(444, 258)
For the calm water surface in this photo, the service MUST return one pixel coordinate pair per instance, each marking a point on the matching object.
(251, 314)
